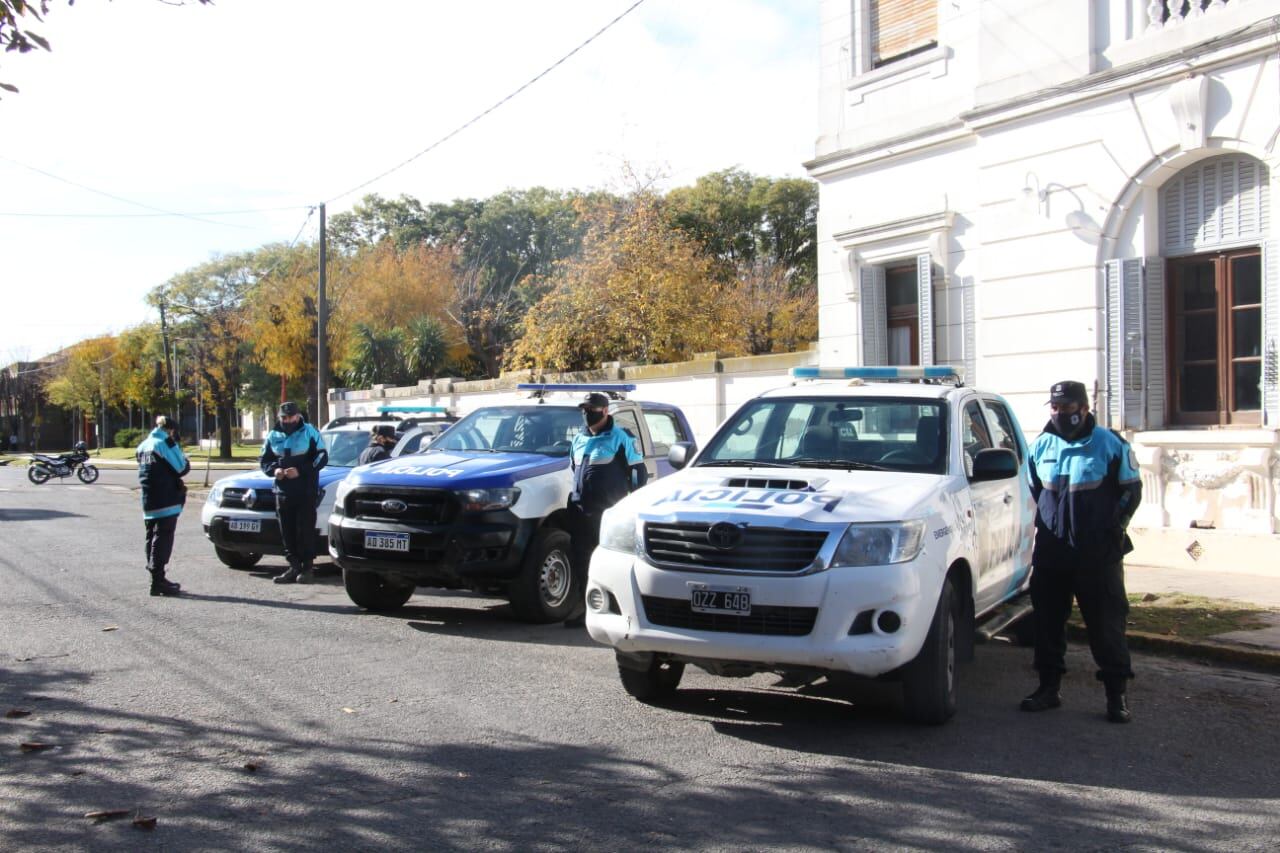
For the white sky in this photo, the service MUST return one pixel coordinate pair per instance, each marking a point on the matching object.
(252, 104)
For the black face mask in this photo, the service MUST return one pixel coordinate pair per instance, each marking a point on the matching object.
(290, 429)
(1068, 425)
(592, 417)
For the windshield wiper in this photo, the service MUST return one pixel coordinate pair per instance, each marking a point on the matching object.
(847, 464)
(742, 463)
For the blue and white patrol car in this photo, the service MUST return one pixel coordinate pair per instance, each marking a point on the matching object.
(853, 526)
(239, 516)
(484, 507)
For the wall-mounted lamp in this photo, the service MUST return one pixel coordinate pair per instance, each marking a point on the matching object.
(1030, 200)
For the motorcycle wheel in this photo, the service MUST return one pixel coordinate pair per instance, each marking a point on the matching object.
(87, 473)
(37, 475)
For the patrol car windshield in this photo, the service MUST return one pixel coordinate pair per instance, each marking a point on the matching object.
(548, 430)
(344, 446)
(863, 433)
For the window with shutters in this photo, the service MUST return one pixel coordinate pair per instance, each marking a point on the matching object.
(1215, 338)
(902, 317)
(902, 28)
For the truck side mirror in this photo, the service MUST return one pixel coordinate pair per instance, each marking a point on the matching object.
(994, 463)
(679, 454)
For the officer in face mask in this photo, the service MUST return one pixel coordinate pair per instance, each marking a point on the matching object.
(1085, 483)
(293, 454)
(606, 467)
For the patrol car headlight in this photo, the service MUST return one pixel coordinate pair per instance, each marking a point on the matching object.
(340, 496)
(618, 530)
(879, 544)
(480, 500)
(215, 495)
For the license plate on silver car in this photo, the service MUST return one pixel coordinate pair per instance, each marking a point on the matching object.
(386, 541)
(245, 525)
(734, 600)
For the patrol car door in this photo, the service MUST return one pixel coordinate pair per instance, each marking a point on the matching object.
(1006, 433)
(665, 430)
(626, 418)
(992, 507)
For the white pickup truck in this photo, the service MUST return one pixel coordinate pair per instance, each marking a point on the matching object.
(853, 526)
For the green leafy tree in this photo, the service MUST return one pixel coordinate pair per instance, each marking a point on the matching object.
(426, 347)
(376, 357)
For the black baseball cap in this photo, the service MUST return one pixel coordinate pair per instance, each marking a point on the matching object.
(385, 430)
(1068, 391)
(594, 400)
(289, 409)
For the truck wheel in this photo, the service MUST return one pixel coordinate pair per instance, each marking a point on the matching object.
(236, 559)
(929, 682)
(654, 684)
(547, 590)
(374, 592)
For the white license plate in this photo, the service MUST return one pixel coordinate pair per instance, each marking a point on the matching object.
(386, 541)
(245, 525)
(720, 599)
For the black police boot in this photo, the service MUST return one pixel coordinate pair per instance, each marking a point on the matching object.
(1046, 695)
(1117, 707)
(289, 575)
(307, 574)
(161, 586)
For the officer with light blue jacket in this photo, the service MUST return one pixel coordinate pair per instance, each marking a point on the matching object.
(161, 467)
(293, 453)
(1085, 482)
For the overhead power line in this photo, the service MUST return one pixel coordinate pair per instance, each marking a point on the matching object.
(156, 210)
(553, 66)
(155, 215)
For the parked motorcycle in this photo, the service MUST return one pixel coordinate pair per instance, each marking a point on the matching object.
(42, 467)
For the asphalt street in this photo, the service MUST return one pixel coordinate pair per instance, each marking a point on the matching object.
(254, 716)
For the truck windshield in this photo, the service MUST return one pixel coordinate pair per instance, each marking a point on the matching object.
(548, 430)
(344, 446)
(903, 434)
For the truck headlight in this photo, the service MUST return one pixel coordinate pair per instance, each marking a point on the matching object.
(340, 496)
(215, 495)
(479, 500)
(879, 544)
(618, 531)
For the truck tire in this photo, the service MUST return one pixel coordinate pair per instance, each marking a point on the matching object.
(236, 559)
(654, 684)
(929, 683)
(547, 590)
(374, 592)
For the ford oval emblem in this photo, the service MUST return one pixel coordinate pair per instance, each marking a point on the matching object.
(394, 506)
(724, 536)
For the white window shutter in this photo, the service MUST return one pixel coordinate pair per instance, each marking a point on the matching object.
(1133, 371)
(1113, 347)
(1219, 202)
(1157, 381)
(970, 332)
(924, 304)
(1270, 332)
(875, 332)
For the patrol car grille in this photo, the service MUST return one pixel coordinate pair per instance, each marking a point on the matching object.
(420, 506)
(760, 549)
(772, 621)
(263, 499)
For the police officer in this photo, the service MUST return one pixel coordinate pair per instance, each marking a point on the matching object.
(161, 467)
(293, 454)
(381, 440)
(1085, 483)
(606, 467)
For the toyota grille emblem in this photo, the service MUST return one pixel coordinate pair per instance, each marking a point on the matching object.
(724, 536)
(394, 506)
(250, 498)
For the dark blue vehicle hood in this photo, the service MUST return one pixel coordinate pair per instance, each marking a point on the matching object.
(458, 469)
(258, 480)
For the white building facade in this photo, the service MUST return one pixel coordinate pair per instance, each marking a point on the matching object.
(1072, 189)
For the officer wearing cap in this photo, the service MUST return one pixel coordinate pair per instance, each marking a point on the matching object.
(606, 467)
(293, 454)
(1085, 483)
(161, 467)
(381, 440)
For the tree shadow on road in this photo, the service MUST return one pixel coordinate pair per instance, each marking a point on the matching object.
(28, 514)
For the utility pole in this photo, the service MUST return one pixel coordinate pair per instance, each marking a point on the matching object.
(321, 414)
(168, 365)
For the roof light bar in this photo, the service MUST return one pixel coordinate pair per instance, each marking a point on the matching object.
(439, 410)
(882, 373)
(614, 391)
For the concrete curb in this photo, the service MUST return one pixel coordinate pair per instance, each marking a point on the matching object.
(1218, 652)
